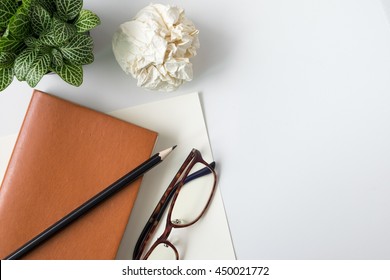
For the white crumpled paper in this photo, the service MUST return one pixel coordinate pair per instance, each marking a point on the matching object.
(156, 46)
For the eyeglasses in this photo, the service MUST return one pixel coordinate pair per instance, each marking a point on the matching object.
(188, 200)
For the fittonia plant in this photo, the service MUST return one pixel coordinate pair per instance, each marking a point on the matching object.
(42, 36)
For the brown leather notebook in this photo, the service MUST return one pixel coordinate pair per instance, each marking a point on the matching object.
(64, 155)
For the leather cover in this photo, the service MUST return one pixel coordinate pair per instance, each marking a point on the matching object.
(64, 155)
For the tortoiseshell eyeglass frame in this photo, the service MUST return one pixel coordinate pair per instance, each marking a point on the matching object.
(171, 193)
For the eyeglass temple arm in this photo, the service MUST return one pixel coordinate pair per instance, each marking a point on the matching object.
(202, 172)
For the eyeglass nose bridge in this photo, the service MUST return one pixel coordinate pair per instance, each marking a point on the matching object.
(177, 221)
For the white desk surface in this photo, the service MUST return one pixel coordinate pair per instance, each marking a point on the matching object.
(296, 96)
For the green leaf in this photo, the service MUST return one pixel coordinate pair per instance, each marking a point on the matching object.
(11, 44)
(7, 10)
(6, 77)
(40, 19)
(72, 74)
(56, 58)
(86, 21)
(68, 9)
(4, 32)
(89, 59)
(7, 59)
(47, 38)
(31, 42)
(23, 63)
(19, 25)
(78, 50)
(26, 4)
(58, 33)
(64, 31)
(38, 69)
(48, 5)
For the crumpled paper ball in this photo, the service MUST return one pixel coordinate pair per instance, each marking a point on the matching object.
(156, 46)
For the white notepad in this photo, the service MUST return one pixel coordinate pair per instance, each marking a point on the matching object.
(179, 121)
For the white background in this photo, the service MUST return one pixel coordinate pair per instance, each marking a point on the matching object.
(296, 97)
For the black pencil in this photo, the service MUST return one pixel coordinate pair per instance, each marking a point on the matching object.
(91, 203)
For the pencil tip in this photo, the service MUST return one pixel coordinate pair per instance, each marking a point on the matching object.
(165, 153)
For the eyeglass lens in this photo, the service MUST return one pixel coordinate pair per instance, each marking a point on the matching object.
(192, 198)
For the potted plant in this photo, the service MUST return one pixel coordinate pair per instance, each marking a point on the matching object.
(42, 36)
